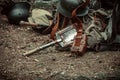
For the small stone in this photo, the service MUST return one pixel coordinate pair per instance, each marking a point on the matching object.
(63, 73)
(100, 61)
(53, 59)
(36, 60)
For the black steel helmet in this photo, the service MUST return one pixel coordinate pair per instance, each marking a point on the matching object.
(20, 11)
(65, 7)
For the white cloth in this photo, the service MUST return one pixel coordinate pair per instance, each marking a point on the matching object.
(39, 16)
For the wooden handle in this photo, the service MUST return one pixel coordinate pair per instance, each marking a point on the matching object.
(41, 47)
(27, 23)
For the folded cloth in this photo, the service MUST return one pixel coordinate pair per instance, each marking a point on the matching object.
(40, 17)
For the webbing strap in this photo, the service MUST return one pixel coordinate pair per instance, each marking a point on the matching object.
(57, 25)
(82, 6)
(79, 44)
(75, 19)
(55, 28)
(65, 22)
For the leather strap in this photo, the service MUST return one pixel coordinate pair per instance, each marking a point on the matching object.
(80, 42)
(55, 28)
(82, 6)
(49, 29)
(65, 22)
(58, 26)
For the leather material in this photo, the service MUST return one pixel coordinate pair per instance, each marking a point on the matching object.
(80, 42)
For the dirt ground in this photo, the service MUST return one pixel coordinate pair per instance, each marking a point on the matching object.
(50, 64)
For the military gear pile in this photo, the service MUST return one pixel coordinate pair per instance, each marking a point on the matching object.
(92, 28)
(93, 24)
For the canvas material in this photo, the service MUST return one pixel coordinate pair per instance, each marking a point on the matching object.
(39, 17)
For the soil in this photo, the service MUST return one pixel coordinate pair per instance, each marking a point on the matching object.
(50, 64)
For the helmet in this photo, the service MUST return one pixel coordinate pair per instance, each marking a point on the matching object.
(65, 7)
(20, 11)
